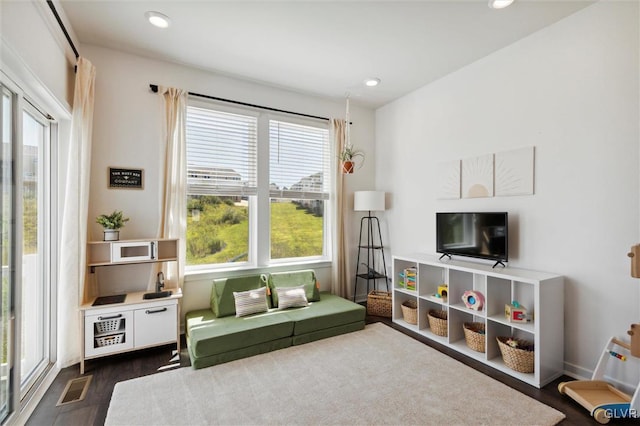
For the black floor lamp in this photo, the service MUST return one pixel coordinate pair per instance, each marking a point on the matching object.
(369, 201)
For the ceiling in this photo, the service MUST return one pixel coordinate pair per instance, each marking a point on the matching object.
(324, 48)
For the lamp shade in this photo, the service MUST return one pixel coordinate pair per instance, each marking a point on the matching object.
(368, 201)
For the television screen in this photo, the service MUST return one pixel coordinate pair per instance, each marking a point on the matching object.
(479, 235)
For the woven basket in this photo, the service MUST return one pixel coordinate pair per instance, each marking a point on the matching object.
(379, 303)
(520, 359)
(438, 322)
(474, 335)
(410, 312)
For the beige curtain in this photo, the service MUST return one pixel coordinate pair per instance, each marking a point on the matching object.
(340, 280)
(73, 247)
(173, 223)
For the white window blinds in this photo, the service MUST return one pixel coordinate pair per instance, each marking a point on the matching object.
(299, 165)
(221, 153)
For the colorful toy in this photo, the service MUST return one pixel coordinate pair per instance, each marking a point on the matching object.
(443, 290)
(602, 399)
(617, 355)
(515, 312)
(408, 278)
(473, 300)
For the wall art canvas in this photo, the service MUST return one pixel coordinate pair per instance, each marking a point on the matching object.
(515, 172)
(477, 176)
(449, 180)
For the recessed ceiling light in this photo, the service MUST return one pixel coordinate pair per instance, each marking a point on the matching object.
(158, 19)
(372, 82)
(499, 4)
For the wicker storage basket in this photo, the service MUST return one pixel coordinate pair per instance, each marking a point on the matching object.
(520, 359)
(379, 303)
(474, 334)
(410, 312)
(438, 322)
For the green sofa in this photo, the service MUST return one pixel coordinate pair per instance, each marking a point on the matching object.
(216, 335)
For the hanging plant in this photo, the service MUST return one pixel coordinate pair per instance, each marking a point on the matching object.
(351, 158)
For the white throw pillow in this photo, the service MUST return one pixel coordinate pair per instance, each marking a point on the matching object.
(250, 301)
(291, 297)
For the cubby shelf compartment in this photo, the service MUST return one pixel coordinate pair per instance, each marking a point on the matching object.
(540, 292)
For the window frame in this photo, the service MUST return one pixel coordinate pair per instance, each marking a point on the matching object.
(259, 204)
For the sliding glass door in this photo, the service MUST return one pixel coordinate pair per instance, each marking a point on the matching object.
(35, 283)
(25, 248)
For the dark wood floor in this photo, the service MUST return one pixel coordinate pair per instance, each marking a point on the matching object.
(108, 371)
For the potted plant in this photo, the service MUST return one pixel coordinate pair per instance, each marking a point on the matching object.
(348, 156)
(111, 224)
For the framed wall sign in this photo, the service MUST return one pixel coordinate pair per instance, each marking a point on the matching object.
(125, 178)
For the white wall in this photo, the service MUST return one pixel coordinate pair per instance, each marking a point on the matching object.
(128, 132)
(28, 31)
(572, 91)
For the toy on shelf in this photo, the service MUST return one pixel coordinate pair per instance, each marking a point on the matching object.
(602, 399)
(443, 291)
(408, 278)
(516, 312)
(473, 300)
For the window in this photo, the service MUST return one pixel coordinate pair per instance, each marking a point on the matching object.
(299, 187)
(229, 208)
(221, 177)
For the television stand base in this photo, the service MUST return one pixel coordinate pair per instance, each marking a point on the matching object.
(443, 255)
(499, 262)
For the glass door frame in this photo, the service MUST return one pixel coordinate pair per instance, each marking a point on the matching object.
(44, 243)
(19, 399)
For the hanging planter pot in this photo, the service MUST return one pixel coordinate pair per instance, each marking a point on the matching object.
(348, 167)
(111, 234)
(348, 156)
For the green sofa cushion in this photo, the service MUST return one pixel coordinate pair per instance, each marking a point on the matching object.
(209, 360)
(208, 335)
(294, 279)
(222, 301)
(331, 311)
(327, 332)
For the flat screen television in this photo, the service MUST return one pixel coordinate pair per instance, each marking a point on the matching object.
(482, 235)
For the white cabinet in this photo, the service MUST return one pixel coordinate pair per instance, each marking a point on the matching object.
(131, 325)
(155, 325)
(542, 294)
(133, 321)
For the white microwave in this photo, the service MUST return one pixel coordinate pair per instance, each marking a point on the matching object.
(134, 251)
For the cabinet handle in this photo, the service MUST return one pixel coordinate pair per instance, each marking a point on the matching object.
(111, 317)
(156, 311)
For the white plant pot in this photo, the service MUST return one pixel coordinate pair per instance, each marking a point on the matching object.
(111, 235)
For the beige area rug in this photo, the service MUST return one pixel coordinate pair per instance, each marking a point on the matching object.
(374, 376)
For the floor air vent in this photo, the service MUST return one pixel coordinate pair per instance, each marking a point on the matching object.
(75, 390)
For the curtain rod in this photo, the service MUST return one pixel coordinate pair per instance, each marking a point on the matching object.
(64, 29)
(154, 89)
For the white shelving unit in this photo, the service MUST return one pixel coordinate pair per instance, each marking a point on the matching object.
(136, 322)
(540, 292)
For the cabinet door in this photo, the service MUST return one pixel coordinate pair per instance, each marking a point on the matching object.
(108, 333)
(156, 325)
